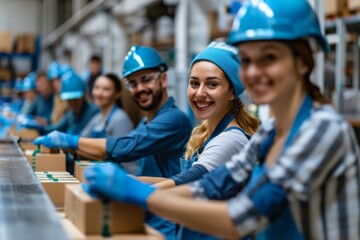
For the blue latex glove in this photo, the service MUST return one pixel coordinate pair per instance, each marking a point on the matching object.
(58, 139)
(5, 124)
(31, 124)
(110, 181)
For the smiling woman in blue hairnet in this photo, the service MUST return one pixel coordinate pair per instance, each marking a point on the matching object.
(298, 178)
(213, 95)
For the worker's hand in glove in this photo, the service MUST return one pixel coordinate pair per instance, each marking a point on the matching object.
(58, 139)
(30, 124)
(110, 181)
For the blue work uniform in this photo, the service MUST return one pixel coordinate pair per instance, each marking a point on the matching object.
(220, 184)
(73, 124)
(158, 145)
(185, 164)
(101, 133)
(42, 107)
(284, 226)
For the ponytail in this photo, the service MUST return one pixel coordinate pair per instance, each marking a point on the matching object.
(246, 120)
(302, 49)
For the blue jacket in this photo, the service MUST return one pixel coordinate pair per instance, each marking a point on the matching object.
(71, 124)
(42, 107)
(158, 145)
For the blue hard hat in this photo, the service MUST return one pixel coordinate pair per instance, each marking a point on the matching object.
(29, 82)
(53, 71)
(141, 58)
(72, 86)
(56, 70)
(276, 20)
(225, 57)
(18, 85)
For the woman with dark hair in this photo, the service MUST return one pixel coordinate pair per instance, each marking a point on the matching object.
(111, 120)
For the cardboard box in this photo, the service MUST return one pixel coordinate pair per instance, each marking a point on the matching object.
(25, 43)
(28, 145)
(53, 174)
(5, 75)
(75, 234)
(354, 4)
(81, 165)
(5, 42)
(335, 7)
(88, 214)
(55, 188)
(46, 161)
(25, 134)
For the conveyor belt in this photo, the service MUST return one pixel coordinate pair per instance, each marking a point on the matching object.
(26, 212)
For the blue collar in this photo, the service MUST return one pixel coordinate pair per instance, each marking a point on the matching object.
(303, 114)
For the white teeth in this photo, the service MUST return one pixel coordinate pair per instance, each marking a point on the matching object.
(202, 105)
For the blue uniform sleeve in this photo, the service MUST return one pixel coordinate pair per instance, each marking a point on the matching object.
(193, 174)
(218, 185)
(261, 203)
(60, 125)
(167, 132)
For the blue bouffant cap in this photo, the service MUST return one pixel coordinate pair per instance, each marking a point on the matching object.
(225, 57)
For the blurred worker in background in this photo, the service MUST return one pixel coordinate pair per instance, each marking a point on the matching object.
(299, 176)
(55, 71)
(80, 110)
(28, 91)
(213, 94)
(44, 101)
(112, 120)
(160, 138)
(95, 70)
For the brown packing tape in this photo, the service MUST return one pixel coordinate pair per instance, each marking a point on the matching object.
(86, 213)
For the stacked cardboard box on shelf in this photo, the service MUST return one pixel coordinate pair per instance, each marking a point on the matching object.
(88, 218)
(5, 74)
(25, 43)
(354, 5)
(5, 42)
(335, 8)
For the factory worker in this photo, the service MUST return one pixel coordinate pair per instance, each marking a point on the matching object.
(28, 91)
(213, 95)
(80, 110)
(298, 178)
(112, 120)
(44, 101)
(55, 71)
(159, 139)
